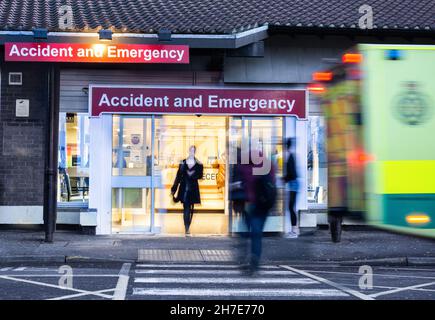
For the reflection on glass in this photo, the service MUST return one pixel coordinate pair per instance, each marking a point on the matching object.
(174, 135)
(317, 163)
(265, 135)
(131, 146)
(131, 208)
(73, 162)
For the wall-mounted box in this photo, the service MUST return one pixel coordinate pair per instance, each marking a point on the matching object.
(15, 78)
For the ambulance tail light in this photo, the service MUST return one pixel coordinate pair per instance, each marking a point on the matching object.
(352, 58)
(316, 88)
(360, 158)
(322, 76)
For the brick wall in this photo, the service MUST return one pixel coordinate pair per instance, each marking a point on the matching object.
(22, 149)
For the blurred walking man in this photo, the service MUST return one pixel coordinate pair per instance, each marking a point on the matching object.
(260, 198)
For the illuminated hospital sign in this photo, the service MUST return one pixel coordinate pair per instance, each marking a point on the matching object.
(195, 100)
(106, 53)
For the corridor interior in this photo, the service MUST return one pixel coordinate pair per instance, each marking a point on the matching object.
(136, 157)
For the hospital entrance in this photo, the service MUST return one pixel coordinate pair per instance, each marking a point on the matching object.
(146, 152)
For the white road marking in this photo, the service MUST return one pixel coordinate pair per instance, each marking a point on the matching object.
(247, 280)
(250, 292)
(372, 274)
(214, 272)
(121, 286)
(402, 289)
(57, 275)
(406, 269)
(27, 269)
(42, 270)
(328, 282)
(388, 287)
(20, 269)
(54, 286)
(81, 294)
(217, 266)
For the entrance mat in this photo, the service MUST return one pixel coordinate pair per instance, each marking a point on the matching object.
(148, 255)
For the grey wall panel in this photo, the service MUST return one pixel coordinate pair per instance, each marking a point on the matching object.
(73, 97)
(287, 60)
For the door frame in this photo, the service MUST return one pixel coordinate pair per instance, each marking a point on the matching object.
(140, 182)
(100, 169)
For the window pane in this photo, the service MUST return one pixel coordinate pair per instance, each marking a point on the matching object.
(73, 162)
(131, 146)
(317, 164)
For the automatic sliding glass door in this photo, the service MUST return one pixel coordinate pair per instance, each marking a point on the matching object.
(132, 161)
(264, 134)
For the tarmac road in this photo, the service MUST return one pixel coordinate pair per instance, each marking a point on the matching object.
(192, 281)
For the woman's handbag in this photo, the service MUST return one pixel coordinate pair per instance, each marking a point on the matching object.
(175, 199)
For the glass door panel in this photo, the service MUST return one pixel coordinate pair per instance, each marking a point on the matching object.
(265, 135)
(131, 209)
(174, 135)
(131, 174)
(131, 146)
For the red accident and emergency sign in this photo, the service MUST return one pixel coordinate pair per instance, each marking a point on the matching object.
(108, 53)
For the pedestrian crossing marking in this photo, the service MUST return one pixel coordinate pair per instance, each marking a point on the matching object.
(20, 269)
(226, 280)
(205, 266)
(250, 292)
(212, 272)
(27, 269)
(13, 269)
(244, 280)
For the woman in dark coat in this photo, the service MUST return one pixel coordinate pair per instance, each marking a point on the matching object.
(186, 181)
(237, 190)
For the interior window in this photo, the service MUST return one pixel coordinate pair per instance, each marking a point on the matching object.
(73, 161)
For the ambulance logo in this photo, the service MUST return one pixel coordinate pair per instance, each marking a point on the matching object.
(412, 106)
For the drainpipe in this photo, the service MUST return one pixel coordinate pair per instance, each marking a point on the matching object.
(51, 154)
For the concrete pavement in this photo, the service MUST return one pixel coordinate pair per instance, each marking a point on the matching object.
(380, 247)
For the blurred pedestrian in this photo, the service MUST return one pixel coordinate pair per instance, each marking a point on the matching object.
(290, 178)
(189, 172)
(260, 198)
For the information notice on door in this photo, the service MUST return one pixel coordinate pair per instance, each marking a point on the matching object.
(196, 100)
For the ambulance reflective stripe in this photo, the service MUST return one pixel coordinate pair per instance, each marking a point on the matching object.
(406, 177)
(405, 191)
